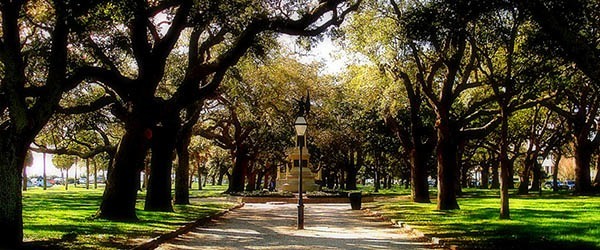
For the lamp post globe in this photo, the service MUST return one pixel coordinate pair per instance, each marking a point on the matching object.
(300, 125)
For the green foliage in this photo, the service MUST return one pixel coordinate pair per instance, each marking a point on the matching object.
(63, 161)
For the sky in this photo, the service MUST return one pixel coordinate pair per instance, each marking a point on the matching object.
(334, 59)
(38, 167)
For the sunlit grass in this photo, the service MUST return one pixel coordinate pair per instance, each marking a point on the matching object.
(56, 218)
(551, 221)
(208, 191)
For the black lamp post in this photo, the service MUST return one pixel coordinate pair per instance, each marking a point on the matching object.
(300, 126)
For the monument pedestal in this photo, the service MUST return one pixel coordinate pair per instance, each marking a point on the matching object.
(288, 180)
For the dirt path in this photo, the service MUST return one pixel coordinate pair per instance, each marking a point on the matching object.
(273, 226)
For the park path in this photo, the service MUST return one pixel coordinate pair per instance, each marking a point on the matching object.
(273, 226)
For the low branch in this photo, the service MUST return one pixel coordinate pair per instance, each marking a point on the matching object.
(87, 108)
(65, 151)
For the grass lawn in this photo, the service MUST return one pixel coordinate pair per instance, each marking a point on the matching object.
(56, 218)
(553, 221)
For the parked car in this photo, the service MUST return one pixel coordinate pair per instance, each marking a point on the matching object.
(548, 184)
(59, 181)
(568, 184)
(30, 184)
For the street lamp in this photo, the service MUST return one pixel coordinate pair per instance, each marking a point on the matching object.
(540, 160)
(300, 126)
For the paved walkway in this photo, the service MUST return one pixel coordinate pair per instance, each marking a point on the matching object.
(273, 226)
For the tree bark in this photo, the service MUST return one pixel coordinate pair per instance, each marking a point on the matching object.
(419, 187)
(583, 156)
(158, 196)
(24, 178)
(464, 178)
(351, 171)
(524, 182)
(485, 175)
(12, 158)
(536, 177)
(446, 151)
(251, 177)
(119, 198)
(146, 174)
(495, 175)
(182, 174)
(238, 174)
(511, 172)
(555, 172)
(220, 179)
(506, 175)
(377, 182)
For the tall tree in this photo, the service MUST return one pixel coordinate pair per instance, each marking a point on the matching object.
(386, 48)
(439, 39)
(64, 162)
(579, 108)
(37, 68)
(221, 34)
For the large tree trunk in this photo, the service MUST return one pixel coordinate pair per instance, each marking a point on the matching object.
(146, 174)
(251, 177)
(536, 178)
(485, 175)
(182, 174)
(464, 179)
(419, 187)
(12, 158)
(495, 175)
(446, 151)
(511, 172)
(220, 179)
(260, 182)
(330, 179)
(158, 196)
(119, 198)
(506, 176)
(377, 181)
(351, 171)
(555, 172)
(200, 170)
(238, 174)
(525, 176)
(583, 156)
(24, 178)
